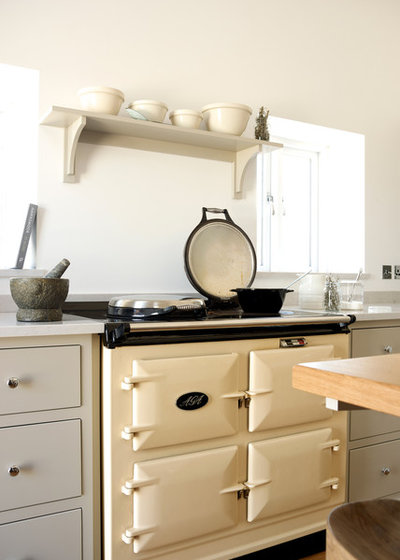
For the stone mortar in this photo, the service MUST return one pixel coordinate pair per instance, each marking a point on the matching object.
(39, 299)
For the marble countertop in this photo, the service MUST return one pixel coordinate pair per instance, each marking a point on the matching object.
(376, 312)
(71, 324)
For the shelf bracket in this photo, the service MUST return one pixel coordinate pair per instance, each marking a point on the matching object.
(71, 139)
(241, 160)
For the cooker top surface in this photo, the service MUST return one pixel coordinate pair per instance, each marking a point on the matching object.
(139, 309)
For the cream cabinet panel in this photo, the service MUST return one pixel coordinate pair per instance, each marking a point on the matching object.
(39, 378)
(274, 402)
(374, 471)
(39, 463)
(289, 473)
(177, 400)
(49, 537)
(182, 497)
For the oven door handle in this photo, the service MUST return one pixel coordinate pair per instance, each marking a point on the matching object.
(131, 485)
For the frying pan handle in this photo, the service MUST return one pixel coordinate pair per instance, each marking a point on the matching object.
(216, 211)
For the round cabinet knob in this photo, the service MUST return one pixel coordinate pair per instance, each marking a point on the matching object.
(388, 349)
(13, 471)
(12, 382)
(386, 470)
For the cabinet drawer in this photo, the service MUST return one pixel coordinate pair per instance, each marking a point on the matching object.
(43, 378)
(372, 342)
(46, 462)
(43, 538)
(367, 423)
(367, 467)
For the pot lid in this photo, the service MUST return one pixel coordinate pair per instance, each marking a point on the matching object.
(144, 302)
(219, 256)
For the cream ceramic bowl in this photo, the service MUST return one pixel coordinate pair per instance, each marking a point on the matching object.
(186, 118)
(230, 118)
(101, 99)
(150, 108)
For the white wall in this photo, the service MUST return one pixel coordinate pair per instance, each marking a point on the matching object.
(124, 224)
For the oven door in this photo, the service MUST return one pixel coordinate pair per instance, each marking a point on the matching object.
(291, 472)
(183, 497)
(178, 400)
(274, 402)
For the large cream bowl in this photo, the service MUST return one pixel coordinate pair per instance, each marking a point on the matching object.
(229, 118)
(101, 99)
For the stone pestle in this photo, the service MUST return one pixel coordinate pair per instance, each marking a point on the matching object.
(58, 270)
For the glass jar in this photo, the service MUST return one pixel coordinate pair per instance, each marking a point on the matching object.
(331, 294)
(351, 295)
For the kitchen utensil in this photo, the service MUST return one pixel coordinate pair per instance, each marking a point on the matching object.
(264, 300)
(101, 99)
(135, 114)
(186, 118)
(230, 118)
(39, 299)
(58, 270)
(150, 108)
(299, 278)
(218, 255)
(261, 300)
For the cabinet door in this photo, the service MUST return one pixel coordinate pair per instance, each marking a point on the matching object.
(373, 342)
(40, 378)
(176, 400)
(374, 471)
(39, 463)
(182, 497)
(274, 402)
(49, 537)
(290, 473)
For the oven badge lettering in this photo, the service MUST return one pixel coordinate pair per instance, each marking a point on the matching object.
(192, 401)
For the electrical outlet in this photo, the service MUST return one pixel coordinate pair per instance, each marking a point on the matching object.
(397, 271)
(386, 271)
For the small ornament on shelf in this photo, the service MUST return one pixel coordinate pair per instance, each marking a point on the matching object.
(261, 130)
(331, 294)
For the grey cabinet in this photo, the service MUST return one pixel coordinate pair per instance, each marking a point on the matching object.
(374, 437)
(49, 441)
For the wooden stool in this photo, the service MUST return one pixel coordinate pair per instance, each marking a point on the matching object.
(367, 530)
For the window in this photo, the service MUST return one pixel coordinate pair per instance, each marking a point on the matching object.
(19, 94)
(309, 193)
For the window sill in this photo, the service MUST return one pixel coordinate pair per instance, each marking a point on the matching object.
(21, 272)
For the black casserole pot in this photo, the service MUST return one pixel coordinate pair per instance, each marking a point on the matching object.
(261, 300)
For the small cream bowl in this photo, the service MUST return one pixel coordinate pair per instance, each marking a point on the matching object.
(186, 118)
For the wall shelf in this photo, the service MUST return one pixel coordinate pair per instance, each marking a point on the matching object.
(146, 135)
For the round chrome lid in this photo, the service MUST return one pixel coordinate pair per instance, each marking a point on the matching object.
(144, 302)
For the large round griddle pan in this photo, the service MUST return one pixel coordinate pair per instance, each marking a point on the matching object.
(219, 256)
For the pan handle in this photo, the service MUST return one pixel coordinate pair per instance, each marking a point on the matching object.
(216, 211)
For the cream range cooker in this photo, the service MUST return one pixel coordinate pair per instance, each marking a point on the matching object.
(208, 451)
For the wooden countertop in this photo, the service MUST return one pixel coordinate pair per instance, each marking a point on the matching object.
(372, 382)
